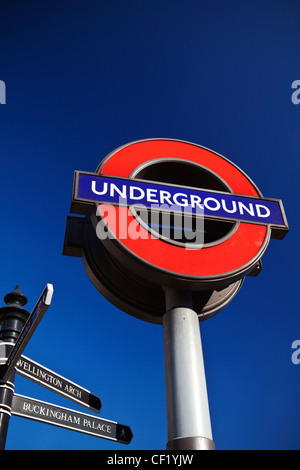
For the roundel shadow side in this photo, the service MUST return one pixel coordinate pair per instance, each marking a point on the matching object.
(131, 294)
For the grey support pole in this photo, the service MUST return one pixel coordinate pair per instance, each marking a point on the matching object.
(188, 418)
(12, 320)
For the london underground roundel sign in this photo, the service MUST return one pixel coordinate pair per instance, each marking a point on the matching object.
(175, 214)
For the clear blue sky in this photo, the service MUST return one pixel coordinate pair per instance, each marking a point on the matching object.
(84, 77)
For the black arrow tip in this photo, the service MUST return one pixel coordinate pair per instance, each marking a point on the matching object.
(95, 402)
(124, 434)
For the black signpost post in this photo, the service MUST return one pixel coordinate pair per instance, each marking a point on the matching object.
(12, 319)
(30, 326)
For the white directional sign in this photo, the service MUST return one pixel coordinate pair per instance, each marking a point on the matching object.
(55, 382)
(30, 326)
(69, 419)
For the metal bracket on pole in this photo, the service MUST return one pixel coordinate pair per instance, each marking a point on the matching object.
(188, 418)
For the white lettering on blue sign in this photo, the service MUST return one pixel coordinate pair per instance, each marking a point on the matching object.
(128, 192)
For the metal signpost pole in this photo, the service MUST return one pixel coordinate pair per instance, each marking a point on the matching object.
(188, 417)
(12, 319)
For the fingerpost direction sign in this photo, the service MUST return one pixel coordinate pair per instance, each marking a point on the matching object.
(55, 382)
(73, 420)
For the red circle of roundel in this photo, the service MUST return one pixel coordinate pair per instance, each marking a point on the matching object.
(240, 249)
